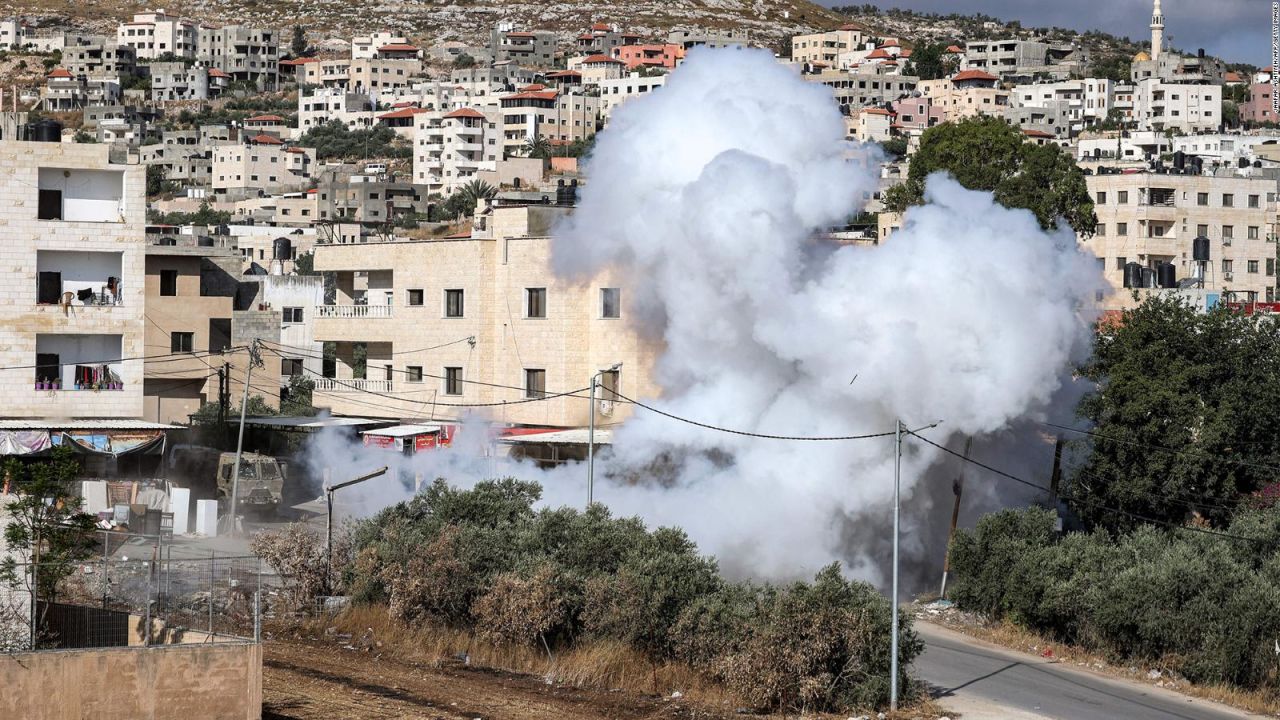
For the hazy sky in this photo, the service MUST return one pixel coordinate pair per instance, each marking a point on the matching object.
(1236, 30)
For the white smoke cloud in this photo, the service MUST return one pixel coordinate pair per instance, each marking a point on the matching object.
(707, 194)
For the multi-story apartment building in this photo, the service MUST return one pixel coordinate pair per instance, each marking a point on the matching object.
(1258, 107)
(702, 37)
(1154, 217)
(172, 81)
(1015, 59)
(666, 56)
(557, 116)
(246, 54)
(865, 86)
(63, 92)
(366, 199)
(99, 58)
(325, 105)
(1186, 108)
(262, 163)
(296, 298)
(615, 92)
(450, 148)
(155, 34)
(73, 282)
(604, 39)
(1227, 148)
(968, 93)
(479, 319)
(13, 34)
(1052, 118)
(530, 49)
(366, 46)
(824, 47)
(594, 69)
(1088, 100)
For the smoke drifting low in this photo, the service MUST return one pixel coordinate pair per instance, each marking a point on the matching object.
(707, 194)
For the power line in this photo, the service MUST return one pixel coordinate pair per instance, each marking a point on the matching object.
(1069, 499)
(1176, 451)
(469, 338)
(172, 357)
(747, 433)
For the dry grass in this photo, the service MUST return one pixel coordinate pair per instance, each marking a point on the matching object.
(599, 665)
(1010, 635)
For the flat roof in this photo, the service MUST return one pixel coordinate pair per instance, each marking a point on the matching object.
(400, 431)
(571, 436)
(87, 424)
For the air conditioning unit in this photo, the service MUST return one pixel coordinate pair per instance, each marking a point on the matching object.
(1227, 276)
(606, 408)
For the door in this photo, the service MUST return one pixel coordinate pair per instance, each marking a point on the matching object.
(49, 288)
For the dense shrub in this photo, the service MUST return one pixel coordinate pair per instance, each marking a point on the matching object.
(484, 561)
(1198, 603)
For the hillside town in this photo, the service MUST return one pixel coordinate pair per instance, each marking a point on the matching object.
(226, 241)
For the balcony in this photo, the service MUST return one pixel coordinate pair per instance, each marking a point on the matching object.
(352, 385)
(354, 311)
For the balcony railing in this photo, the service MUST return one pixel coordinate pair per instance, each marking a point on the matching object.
(352, 385)
(355, 311)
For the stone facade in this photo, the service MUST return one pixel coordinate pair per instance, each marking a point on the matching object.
(70, 262)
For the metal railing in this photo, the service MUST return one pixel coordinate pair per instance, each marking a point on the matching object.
(353, 385)
(354, 311)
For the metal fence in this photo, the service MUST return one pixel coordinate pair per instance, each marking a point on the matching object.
(144, 597)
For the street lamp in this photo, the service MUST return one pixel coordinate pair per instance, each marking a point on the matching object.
(591, 435)
(328, 520)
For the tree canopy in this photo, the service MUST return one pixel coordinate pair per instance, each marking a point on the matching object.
(986, 153)
(1186, 412)
(335, 140)
(930, 61)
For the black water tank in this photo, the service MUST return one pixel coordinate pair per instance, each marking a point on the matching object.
(1179, 159)
(1132, 275)
(282, 248)
(204, 241)
(1243, 162)
(1257, 163)
(46, 131)
(1148, 277)
(1168, 275)
(1200, 249)
(566, 193)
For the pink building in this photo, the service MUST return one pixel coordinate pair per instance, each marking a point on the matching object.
(917, 114)
(1258, 107)
(664, 56)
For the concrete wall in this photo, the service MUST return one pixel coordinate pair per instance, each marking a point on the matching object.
(221, 681)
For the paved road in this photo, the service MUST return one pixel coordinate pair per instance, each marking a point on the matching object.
(979, 680)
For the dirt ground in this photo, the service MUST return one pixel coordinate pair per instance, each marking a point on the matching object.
(306, 680)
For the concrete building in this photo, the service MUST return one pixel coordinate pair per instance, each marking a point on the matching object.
(172, 81)
(559, 117)
(156, 34)
(530, 49)
(823, 48)
(1052, 119)
(262, 163)
(1114, 148)
(297, 299)
(73, 276)
(1152, 218)
(1226, 148)
(246, 54)
(366, 199)
(325, 105)
(451, 148)
(1024, 60)
(915, 115)
(1258, 107)
(666, 56)
(1087, 100)
(442, 320)
(968, 93)
(615, 92)
(99, 59)
(865, 86)
(702, 37)
(594, 69)
(366, 46)
(1184, 108)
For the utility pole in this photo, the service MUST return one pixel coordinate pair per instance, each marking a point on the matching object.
(328, 522)
(957, 488)
(255, 360)
(1056, 477)
(591, 435)
(897, 508)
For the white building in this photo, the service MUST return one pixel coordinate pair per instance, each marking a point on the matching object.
(1184, 108)
(153, 34)
(296, 297)
(324, 105)
(615, 92)
(450, 148)
(1088, 100)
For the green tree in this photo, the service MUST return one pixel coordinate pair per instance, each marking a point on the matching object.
(157, 180)
(298, 43)
(297, 399)
(46, 524)
(1115, 67)
(83, 137)
(1186, 411)
(1230, 114)
(463, 61)
(931, 61)
(537, 147)
(464, 199)
(986, 153)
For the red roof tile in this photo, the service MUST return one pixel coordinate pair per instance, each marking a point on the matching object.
(601, 27)
(265, 119)
(60, 73)
(954, 49)
(545, 95)
(398, 47)
(973, 75)
(215, 72)
(597, 58)
(905, 54)
(533, 88)
(266, 140)
(1038, 134)
(520, 34)
(878, 54)
(564, 74)
(401, 113)
(890, 43)
(877, 111)
(465, 113)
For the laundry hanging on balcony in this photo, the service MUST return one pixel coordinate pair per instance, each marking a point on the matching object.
(24, 442)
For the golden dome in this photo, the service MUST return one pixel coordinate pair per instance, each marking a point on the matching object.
(1142, 56)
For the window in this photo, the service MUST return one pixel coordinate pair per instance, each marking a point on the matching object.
(535, 383)
(49, 205)
(290, 366)
(1271, 267)
(1253, 232)
(168, 283)
(1122, 197)
(1122, 228)
(535, 302)
(415, 297)
(413, 373)
(610, 302)
(453, 381)
(293, 314)
(1252, 266)
(453, 305)
(1120, 261)
(48, 367)
(1226, 265)
(1102, 197)
(1228, 200)
(1202, 198)
(1202, 231)
(1100, 229)
(1228, 232)
(1253, 201)
(181, 341)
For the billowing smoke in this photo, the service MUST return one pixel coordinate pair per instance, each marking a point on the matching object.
(708, 196)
